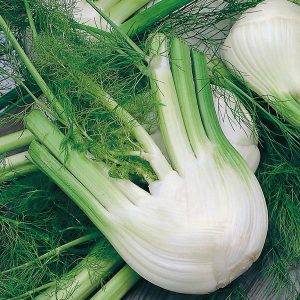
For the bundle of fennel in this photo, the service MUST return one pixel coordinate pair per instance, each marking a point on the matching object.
(196, 209)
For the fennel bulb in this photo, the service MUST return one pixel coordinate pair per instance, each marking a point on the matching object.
(264, 47)
(203, 221)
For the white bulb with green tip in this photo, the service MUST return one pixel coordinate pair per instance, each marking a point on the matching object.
(203, 222)
(263, 46)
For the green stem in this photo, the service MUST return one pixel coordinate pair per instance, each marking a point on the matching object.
(145, 19)
(80, 282)
(209, 115)
(186, 92)
(30, 19)
(205, 99)
(170, 119)
(124, 9)
(71, 186)
(33, 71)
(15, 140)
(57, 251)
(129, 41)
(119, 285)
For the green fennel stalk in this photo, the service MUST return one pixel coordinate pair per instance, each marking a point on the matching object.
(15, 140)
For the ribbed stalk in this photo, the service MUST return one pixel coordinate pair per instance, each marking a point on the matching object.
(86, 171)
(208, 113)
(186, 92)
(119, 285)
(71, 186)
(124, 9)
(170, 119)
(82, 280)
(33, 71)
(205, 99)
(145, 19)
(15, 140)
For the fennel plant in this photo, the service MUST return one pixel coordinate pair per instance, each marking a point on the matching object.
(116, 160)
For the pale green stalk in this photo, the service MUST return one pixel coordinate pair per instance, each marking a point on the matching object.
(122, 10)
(20, 171)
(205, 99)
(208, 113)
(170, 119)
(119, 285)
(186, 92)
(15, 140)
(71, 186)
(16, 165)
(84, 169)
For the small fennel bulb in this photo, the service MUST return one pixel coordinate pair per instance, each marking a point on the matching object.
(264, 47)
(203, 221)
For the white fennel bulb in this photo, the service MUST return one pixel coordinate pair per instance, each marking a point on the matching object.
(204, 221)
(264, 47)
